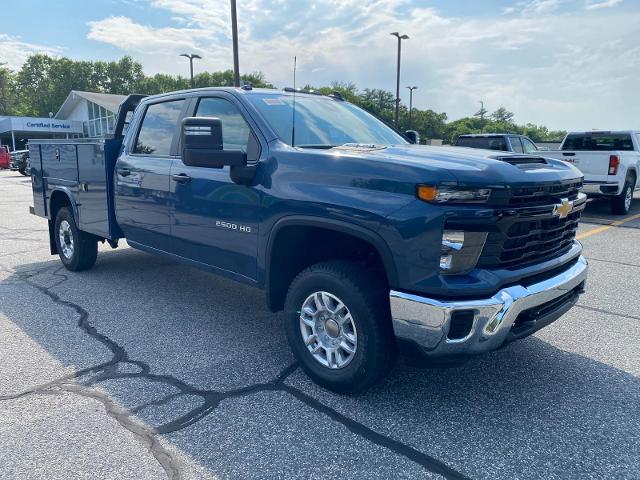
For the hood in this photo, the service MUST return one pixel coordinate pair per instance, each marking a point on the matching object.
(470, 166)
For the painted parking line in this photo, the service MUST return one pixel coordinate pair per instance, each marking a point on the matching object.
(604, 228)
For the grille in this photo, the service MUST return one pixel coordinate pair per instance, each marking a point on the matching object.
(522, 241)
(544, 194)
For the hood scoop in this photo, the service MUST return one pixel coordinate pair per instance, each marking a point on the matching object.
(521, 160)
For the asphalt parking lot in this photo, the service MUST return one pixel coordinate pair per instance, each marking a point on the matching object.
(144, 369)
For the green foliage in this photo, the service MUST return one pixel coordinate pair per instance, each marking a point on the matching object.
(502, 115)
(44, 82)
(7, 91)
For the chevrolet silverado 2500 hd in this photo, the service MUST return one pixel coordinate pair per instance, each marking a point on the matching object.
(368, 242)
(610, 162)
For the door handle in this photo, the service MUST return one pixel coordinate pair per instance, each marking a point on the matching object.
(124, 172)
(181, 178)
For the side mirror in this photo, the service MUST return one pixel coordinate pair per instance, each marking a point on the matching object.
(202, 144)
(413, 136)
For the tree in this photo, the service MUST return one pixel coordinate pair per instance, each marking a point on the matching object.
(7, 91)
(502, 115)
(43, 83)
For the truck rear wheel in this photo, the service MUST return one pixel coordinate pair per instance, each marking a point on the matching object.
(621, 204)
(339, 326)
(77, 250)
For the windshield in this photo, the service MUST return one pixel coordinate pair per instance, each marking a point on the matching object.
(322, 122)
(488, 143)
(598, 142)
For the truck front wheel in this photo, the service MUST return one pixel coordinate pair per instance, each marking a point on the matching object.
(339, 326)
(77, 250)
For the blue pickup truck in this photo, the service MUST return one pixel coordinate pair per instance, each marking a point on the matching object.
(370, 244)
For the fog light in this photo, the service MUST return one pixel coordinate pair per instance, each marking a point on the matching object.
(460, 251)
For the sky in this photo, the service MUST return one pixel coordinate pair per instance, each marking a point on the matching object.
(566, 64)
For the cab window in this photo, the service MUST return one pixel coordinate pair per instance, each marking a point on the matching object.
(235, 131)
(516, 145)
(529, 146)
(158, 128)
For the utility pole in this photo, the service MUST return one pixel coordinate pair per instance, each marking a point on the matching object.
(481, 113)
(400, 38)
(191, 56)
(234, 33)
(411, 89)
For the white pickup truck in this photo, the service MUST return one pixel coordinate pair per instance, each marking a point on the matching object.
(609, 161)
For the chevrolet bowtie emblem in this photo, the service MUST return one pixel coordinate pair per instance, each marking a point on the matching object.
(563, 208)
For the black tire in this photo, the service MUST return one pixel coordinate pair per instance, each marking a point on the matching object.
(367, 299)
(84, 251)
(23, 171)
(620, 204)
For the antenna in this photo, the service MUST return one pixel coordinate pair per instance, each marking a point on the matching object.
(293, 120)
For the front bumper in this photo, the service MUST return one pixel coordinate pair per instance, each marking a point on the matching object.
(487, 324)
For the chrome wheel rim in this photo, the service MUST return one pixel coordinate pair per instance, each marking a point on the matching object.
(328, 330)
(65, 235)
(627, 198)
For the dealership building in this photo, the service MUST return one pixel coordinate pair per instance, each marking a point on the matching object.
(83, 114)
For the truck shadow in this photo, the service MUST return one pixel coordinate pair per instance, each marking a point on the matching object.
(186, 352)
(598, 211)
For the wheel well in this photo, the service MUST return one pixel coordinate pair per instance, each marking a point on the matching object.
(633, 174)
(298, 247)
(59, 199)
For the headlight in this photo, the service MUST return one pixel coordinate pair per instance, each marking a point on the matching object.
(447, 194)
(460, 251)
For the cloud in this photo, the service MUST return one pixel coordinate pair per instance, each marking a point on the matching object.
(527, 8)
(549, 66)
(124, 33)
(13, 51)
(604, 4)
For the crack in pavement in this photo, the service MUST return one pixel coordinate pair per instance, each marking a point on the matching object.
(211, 399)
(591, 259)
(608, 312)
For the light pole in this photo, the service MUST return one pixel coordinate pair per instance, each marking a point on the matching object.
(234, 33)
(411, 89)
(191, 56)
(400, 38)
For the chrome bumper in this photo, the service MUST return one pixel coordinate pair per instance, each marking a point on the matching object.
(427, 322)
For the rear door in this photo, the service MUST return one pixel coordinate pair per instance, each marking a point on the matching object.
(142, 178)
(215, 221)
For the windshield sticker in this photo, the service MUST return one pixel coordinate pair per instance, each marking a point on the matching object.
(273, 101)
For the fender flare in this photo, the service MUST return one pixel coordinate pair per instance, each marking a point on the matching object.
(363, 233)
(70, 197)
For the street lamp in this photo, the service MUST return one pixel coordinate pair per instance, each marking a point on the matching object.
(191, 57)
(400, 38)
(411, 89)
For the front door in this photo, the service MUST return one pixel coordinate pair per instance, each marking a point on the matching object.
(142, 177)
(215, 221)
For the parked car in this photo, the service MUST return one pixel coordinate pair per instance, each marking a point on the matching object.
(4, 156)
(368, 243)
(610, 162)
(504, 142)
(20, 162)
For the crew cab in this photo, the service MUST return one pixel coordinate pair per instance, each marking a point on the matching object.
(505, 142)
(369, 243)
(610, 162)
